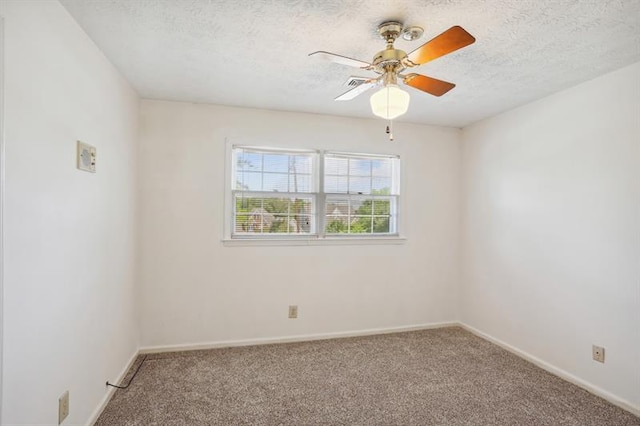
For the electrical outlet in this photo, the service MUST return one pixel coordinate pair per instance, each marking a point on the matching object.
(293, 311)
(598, 353)
(63, 407)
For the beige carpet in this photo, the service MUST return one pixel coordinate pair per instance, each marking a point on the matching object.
(434, 377)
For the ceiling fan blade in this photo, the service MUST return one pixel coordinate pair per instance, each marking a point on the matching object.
(430, 85)
(449, 41)
(339, 59)
(361, 88)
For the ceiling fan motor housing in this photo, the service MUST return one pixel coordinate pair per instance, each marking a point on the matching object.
(389, 60)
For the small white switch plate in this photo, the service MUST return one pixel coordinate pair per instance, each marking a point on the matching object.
(598, 353)
(86, 157)
(63, 407)
(293, 311)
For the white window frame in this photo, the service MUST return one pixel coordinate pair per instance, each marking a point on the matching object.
(315, 155)
(319, 237)
(394, 195)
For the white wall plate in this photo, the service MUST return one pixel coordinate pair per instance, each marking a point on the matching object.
(86, 157)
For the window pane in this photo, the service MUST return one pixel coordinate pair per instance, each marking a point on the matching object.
(381, 186)
(247, 204)
(359, 167)
(242, 223)
(381, 168)
(278, 182)
(274, 171)
(336, 166)
(301, 164)
(381, 225)
(338, 214)
(274, 215)
(301, 206)
(339, 210)
(336, 184)
(300, 183)
(359, 185)
(276, 163)
(248, 161)
(359, 174)
(249, 181)
(381, 207)
(358, 215)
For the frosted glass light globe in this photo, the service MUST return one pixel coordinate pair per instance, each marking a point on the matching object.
(390, 102)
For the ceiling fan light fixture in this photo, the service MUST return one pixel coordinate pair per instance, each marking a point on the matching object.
(390, 102)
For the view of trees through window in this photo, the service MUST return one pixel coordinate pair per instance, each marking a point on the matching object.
(356, 215)
(275, 193)
(273, 215)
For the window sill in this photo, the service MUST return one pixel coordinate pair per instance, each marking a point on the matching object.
(336, 241)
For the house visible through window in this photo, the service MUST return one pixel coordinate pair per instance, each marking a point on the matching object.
(283, 193)
(360, 194)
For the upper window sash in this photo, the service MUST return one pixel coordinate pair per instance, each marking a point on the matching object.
(366, 174)
(274, 170)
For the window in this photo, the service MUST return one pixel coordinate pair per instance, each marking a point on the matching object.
(289, 193)
(275, 192)
(360, 194)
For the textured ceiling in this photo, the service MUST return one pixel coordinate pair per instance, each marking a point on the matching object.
(253, 53)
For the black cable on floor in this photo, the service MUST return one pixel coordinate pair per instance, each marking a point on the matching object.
(132, 377)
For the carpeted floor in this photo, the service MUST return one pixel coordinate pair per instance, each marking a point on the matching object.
(443, 376)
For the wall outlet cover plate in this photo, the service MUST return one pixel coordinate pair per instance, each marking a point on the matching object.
(598, 353)
(293, 311)
(86, 157)
(63, 407)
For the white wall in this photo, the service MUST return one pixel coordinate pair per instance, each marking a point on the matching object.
(551, 230)
(195, 290)
(69, 319)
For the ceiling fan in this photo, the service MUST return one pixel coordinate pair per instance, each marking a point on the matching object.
(391, 102)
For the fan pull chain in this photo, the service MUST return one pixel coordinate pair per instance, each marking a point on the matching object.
(390, 125)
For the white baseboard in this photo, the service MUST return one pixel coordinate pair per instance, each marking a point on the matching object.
(290, 339)
(626, 405)
(111, 390)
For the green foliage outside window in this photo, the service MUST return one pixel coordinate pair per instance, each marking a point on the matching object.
(371, 217)
(272, 215)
